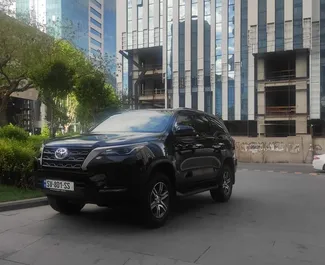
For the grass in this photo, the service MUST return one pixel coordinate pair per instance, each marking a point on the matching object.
(9, 193)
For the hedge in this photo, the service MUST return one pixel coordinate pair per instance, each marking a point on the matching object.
(17, 154)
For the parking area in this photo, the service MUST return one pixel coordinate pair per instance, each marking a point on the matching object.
(272, 218)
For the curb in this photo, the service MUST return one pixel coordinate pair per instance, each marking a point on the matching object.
(23, 204)
(281, 172)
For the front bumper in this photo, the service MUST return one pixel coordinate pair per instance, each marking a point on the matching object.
(112, 185)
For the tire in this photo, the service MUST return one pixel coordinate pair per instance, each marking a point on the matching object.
(158, 200)
(65, 206)
(224, 191)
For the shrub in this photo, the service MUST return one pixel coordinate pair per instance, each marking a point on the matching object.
(17, 153)
(16, 162)
(36, 141)
(12, 132)
(45, 131)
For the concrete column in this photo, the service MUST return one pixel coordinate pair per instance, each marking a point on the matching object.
(260, 69)
(237, 60)
(288, 25)
(301, 97)
(200, 55)
(252, 46)
(301, 125)
(261, 99)
(301, 64)
(188, 31)
(213, 55)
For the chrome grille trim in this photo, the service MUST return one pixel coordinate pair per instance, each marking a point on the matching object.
(74, 160)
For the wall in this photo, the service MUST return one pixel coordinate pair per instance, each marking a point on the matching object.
(296, 149)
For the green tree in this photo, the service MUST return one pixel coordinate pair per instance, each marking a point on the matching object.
(23, 50)
(55, 80)
(95, 98)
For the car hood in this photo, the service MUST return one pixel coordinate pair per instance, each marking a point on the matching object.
(100, 140)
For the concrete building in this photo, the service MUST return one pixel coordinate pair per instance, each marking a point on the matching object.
(257, 63)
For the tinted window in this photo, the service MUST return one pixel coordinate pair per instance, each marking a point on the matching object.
(184, 119)
(217, 127)
(201, 124)
(135, 121)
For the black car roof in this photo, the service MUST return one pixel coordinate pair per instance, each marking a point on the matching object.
(176, 110)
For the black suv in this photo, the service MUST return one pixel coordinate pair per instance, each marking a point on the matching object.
(144, 156)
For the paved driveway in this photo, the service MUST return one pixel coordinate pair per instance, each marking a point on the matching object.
(273, 218)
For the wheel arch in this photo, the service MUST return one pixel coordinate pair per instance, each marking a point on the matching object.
(165, 167)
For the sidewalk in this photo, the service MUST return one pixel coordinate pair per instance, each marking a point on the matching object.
(15, 205)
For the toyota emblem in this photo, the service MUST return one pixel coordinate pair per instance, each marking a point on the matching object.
(61, 153)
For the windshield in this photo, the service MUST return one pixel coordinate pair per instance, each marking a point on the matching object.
(135, 121)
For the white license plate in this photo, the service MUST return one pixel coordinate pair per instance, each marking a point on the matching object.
(58, 185)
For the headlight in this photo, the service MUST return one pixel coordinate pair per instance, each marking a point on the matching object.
(122, 150)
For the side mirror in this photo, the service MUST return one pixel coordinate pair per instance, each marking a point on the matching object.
(184, 130)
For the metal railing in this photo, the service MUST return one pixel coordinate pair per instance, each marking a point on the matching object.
(280, 75)
(152, 92)
(280, 110)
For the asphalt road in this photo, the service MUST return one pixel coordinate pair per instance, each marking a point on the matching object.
(281, 168)
(273, 218)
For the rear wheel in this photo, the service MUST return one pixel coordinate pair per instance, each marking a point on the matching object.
(224, 191)
(65, 206)
(158, 200)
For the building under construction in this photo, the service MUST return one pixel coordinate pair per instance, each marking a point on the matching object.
(258, 64)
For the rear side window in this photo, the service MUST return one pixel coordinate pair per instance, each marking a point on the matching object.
(201, 124)
(217, 127)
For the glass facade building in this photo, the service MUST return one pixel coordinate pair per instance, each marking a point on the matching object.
(213, 52)
(218, 63)
(89, 24)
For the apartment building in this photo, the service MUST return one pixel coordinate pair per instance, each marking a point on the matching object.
(256, 63)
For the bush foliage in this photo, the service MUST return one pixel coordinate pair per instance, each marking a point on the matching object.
(17, 155)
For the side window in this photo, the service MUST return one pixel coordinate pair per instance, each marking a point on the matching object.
(201, 124)
(184, 119)
(217, 127)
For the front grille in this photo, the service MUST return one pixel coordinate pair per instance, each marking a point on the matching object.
(73, 161)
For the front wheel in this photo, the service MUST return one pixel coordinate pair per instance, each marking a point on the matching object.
(158, 200)
(65, 206)
(224, 191)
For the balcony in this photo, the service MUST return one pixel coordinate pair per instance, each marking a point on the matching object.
(152, 94)
(280, 111)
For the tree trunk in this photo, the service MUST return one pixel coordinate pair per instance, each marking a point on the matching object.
(3, 110)
(52, 127)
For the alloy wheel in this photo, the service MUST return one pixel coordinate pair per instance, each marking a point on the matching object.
(226, 185)
(159, 200)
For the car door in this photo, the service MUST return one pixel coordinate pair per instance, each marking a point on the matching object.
(220, 140)
(205, 151)
(185, 148)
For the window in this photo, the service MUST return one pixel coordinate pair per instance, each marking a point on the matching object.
(135, 121)
(96, 3)
(95, 12)
(95, 52)
(184, 119)
(95, 32)
(95, 22)
(201, 124)
(95, 42)
(217, 127)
